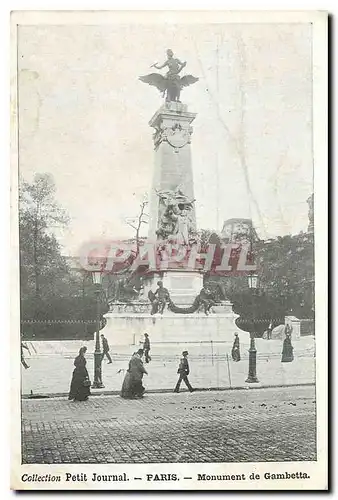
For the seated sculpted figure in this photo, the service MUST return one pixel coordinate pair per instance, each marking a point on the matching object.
(159, 298)
(206, 299)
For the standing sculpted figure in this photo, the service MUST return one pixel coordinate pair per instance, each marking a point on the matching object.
(175, 66)
(182, 225)
(171, 84)
(175, 222)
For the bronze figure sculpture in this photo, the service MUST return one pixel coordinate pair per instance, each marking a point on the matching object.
(171, 84)
(159, 299)
(175, 221)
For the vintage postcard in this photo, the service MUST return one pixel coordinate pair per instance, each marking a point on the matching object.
(169, 274)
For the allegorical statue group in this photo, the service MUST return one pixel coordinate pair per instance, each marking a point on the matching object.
(172, 83)
(175, 221)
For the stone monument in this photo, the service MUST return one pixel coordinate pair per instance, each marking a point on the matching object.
(175, 306)
(172, 203)
(172, 209)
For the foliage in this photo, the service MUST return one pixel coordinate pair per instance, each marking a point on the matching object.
(40, 257)
(50, 292)
(206, 237)
(63, 318)
(256, 310)
(285, 267)
(286, 270)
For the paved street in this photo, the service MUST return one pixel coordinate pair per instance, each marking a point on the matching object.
(276, 424)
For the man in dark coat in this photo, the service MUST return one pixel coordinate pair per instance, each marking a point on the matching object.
(105, 349)
(183, 371)
(146, 348)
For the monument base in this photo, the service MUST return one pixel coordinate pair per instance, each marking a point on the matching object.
(183, 286)
(127, 328)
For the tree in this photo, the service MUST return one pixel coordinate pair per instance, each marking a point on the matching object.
(55, 302)
(38, 212)
(286, 273)
(256, 310)
(286, 270)
(285, 267)
(136, 223)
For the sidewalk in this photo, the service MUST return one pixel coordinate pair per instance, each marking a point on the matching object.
(210, 368)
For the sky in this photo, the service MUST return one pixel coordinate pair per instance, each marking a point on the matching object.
(83, 116)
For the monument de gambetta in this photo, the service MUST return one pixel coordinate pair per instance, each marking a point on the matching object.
(173, 305)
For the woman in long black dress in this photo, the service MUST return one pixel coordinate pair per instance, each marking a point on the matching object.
(80, 385)
(235, 352)
(287, 353)
(132, 385)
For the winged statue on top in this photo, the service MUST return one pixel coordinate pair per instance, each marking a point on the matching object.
(172, 83)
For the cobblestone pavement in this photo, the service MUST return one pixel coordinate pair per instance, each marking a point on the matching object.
(210, 367)
(220, 426)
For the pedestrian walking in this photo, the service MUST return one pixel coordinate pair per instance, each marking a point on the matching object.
(287, 353)
(146, 348)
(235, 352)
(23, 361)
(105, 349)
(132, 384)
(183, 371)
(80, 384)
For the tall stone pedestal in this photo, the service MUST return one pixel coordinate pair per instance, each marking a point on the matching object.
(173, 168)
(172, 207)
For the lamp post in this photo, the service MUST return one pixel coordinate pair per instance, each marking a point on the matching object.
(252, 376)
(97, 382)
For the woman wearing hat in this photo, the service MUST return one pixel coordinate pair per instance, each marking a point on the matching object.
(80, 384)
(132, 385)
(235, 352)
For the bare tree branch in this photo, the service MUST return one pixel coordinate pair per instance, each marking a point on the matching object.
(136, 223)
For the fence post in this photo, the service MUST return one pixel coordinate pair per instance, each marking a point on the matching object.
(229, 370)
(212, 352)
